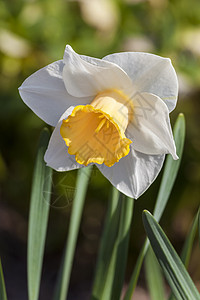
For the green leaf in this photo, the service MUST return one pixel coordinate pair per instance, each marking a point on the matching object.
(171, 169)
(154, 276)
(172, 266)
(38, 217)
(169, 175)
(3, 295)
(116, 271)
(199, 227)
(187, 249)
(76, 214)
(136, 272)
(107, 244)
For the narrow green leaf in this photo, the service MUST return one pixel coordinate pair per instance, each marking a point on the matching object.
(154, 276)
(116, 271)
(199, 227)
(171, 264)
(76, 214)
(169, 175)
(38, 217)
(3, 295)
(187, 248)
(170, 169)
(107, 244)
(136, 272)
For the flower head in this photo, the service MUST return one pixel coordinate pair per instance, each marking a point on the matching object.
(112, 112)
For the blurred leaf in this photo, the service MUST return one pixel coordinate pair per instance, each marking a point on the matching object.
(116, 271)
(186, 253)
(169, 175)
(77, 208)
(172, 266)
(199, 227)
(154, 276)
(3, 295)
(107, 243)
(38, 217)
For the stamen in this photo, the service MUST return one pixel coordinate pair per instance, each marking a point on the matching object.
(100, 125)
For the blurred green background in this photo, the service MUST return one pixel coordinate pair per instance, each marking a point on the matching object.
(34, 34)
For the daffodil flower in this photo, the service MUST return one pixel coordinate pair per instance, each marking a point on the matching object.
(112, 112)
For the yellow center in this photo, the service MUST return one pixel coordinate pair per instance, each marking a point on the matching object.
(95, 133)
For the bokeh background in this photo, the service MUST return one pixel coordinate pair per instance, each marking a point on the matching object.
(33, 34)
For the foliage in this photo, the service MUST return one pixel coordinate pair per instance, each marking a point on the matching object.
(33, 34)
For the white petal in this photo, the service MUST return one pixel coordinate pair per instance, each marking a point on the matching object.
(150, 129)
(57, 156)
(86, 76)
(45, 93)
(149, 73)
(134, 173)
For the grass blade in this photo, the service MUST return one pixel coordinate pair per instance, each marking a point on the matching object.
(199, 227)
(3, 295)
(116, 271)
(136, 272)
(38, 217)
(169, 175)
(77, 208)
(170, 169)
(186, 253)
(107, 243)
(154, 277)
(172, 266)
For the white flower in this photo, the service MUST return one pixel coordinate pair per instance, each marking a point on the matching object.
(113, 112)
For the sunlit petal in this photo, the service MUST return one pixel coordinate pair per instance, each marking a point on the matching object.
(133, 174)
(86, 76)
(150, 129)
(45, 93)
(149, 73)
